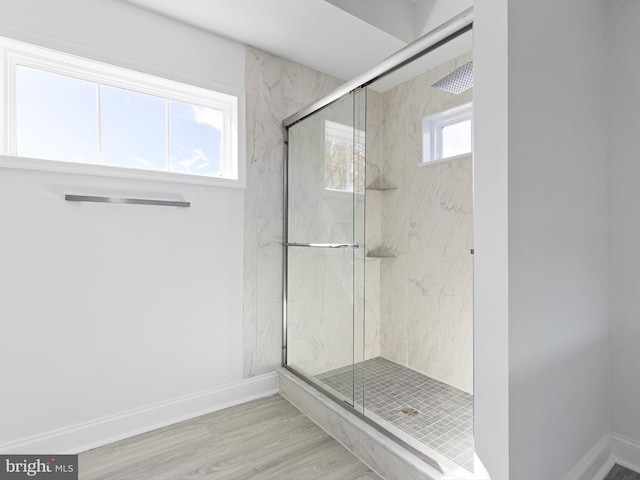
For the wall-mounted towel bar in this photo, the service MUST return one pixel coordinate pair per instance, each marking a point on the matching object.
(323, 245)
(129, 201)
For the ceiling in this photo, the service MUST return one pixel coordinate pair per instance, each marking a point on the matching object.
(311, 32)
(320, 34)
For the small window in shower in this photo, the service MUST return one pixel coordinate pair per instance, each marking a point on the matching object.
(343, 158)
(448, 134)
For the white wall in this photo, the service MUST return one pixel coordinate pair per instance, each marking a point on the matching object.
(116, 32)
(490, 223)
(624, 197)
(545, 61)
(109, 308)
(558, 247)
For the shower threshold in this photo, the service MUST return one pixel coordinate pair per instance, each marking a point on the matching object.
(429, 415)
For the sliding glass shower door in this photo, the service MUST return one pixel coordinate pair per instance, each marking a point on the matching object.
(407, 368)
(324, 246)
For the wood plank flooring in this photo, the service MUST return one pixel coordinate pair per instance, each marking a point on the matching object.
(261, 440)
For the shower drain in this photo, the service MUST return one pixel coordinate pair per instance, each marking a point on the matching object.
(410, 411)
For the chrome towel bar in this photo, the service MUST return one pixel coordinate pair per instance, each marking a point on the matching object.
(127, 201)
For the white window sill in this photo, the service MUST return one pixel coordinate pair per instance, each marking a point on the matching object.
(445, 160)
(55, 166)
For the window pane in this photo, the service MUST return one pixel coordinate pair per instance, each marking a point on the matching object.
(56, 117)
(196, 139)
(337, 164)
(340, 155)
(134, 131)
(456, 139)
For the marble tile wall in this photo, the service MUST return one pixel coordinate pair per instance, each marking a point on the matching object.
(275, 89)
(426, 298)
(373, 228)
(418, 305)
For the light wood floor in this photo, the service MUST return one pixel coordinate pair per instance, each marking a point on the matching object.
(260, 440)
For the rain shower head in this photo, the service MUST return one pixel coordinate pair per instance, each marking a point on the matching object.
(458, 81)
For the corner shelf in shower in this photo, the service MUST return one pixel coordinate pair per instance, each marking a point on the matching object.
(381, 253)
(381, 187)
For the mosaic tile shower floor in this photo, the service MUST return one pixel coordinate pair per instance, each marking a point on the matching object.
(444, 418)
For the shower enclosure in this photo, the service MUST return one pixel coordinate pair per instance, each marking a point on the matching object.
(378, 244)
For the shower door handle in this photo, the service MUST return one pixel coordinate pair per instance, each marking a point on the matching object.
(322, 245)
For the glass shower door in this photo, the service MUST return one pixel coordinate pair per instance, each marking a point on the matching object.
(324, 247)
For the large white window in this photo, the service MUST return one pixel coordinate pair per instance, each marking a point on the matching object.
(448, 134)
(65, 108)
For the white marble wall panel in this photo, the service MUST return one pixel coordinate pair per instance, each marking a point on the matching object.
(320, 309)
(275, 88)
(456, 327)
(373, 221)
(426, 292)
(269, 287)
(369, 326)
(393, 309)
(372, 310)
(269, 334)
(395, 218)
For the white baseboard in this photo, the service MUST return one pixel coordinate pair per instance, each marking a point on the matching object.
(95, 433)
(595, 460)
(612, 448)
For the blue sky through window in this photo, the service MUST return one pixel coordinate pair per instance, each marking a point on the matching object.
(57, 118)
(134, 132)
(195, 138)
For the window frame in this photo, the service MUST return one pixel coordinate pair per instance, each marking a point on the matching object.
(432, 137)
(229, 100)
